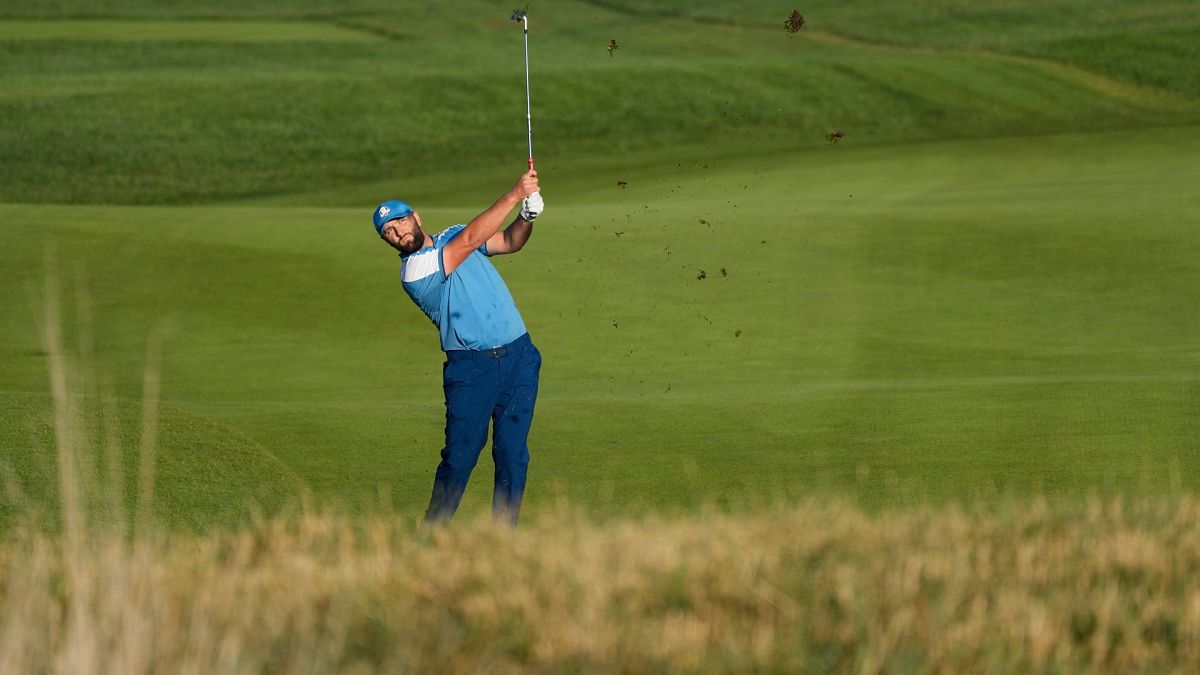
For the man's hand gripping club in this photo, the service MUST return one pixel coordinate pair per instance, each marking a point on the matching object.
(532, 207)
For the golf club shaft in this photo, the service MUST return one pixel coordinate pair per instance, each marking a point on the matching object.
(528, 109)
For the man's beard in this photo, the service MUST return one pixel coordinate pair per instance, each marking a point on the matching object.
(418, 241)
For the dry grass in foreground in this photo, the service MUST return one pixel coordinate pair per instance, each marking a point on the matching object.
(818, 587)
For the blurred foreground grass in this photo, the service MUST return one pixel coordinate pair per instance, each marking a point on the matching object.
(1100, 586)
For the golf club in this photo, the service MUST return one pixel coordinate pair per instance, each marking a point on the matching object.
(519, 15)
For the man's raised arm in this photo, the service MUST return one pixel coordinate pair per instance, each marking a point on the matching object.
(483, 226)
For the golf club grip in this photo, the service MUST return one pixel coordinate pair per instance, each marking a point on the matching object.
(531, 164)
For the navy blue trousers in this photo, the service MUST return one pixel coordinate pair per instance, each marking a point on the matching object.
(498, 386)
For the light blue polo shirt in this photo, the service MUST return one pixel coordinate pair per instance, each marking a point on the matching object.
(471, 307)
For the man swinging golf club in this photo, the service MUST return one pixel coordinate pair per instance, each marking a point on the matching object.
(491, 370)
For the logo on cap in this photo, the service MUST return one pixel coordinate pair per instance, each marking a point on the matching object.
(383, 211)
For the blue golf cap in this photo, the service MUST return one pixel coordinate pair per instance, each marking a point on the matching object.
(389, 210)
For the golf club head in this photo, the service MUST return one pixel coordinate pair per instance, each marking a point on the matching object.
(517, 15)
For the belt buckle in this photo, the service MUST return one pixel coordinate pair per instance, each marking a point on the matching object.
(497, 352)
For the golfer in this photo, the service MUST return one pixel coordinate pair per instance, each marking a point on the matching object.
(491, 369)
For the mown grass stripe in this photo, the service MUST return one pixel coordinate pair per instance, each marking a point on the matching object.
(256, 31)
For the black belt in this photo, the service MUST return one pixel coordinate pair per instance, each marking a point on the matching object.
(492, 353)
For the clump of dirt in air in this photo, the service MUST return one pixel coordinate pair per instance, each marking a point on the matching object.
(794, 22)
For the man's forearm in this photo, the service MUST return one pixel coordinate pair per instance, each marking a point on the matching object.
(484, 225)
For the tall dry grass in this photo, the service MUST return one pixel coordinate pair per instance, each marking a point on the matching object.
(1085, 586)
(1101, 587)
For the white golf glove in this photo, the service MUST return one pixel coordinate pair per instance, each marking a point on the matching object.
(532, 206)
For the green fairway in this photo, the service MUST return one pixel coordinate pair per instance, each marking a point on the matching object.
(986, 287)
(945, 320)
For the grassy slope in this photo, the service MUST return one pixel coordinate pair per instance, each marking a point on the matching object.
(978, 315)
(1146, 42)
(99, 119)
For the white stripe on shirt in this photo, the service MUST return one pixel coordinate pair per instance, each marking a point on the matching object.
(420, 265)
